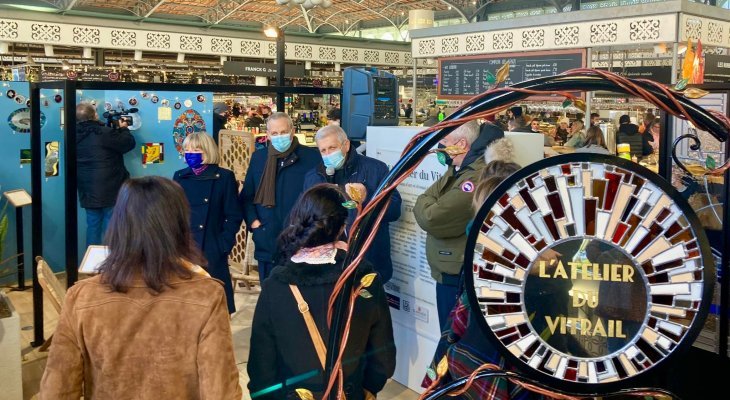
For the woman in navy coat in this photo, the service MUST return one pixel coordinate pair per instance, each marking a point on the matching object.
(216, 215)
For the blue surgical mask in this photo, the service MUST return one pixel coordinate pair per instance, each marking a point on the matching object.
(334, 160)
(281, 142)
(194, 160)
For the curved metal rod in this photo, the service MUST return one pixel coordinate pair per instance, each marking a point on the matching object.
(458, 383)
(694, 147)
(582, 80)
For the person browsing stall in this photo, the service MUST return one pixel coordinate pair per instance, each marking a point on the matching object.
(443, 209)
(577, 138)
(283, 354)
(100, 169)
(342, 165)
(216, 215)
(152, 325)
(273, 184)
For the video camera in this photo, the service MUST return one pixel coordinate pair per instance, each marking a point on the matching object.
(114, 116)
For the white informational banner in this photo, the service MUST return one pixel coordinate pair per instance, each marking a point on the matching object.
(411, 292)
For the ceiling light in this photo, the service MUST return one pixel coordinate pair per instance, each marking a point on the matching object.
(87, 53)
(271, 31)
(137, 55)
(338, 67)
(4, 47)
(307, 65)
(180, 57)
(223, 59)
(134, 68)
(48, 49)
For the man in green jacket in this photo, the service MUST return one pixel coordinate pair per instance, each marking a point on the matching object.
(444, 209)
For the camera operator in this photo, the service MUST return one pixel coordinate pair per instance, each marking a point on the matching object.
(100, 167)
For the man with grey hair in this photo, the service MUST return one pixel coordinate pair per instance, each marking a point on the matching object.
(272, 186)
(100, 167)
(342, 165)
(443, 211)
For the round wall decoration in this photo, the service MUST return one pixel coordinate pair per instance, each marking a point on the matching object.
(589, 271)
(188, 122)
(19, 120)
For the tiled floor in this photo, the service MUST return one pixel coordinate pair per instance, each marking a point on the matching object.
(34, 361)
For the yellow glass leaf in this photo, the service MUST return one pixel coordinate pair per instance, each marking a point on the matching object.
(368, 279)
(453, 150)
(443, 367)
(355, 193)
(502, 73)
(580, 104)
(305, 394)
(695, 93)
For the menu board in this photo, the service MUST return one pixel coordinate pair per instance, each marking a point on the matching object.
(465, 77)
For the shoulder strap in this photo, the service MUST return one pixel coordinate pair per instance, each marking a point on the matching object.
(311, 325)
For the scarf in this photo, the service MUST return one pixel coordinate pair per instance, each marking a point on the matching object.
(199, 170)
(266, 193)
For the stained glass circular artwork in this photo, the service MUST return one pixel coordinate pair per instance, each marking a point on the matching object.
(19, 120)
(589, 271)
(188, 122)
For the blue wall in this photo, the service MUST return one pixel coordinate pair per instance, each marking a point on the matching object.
(13, 176)
(152, 130)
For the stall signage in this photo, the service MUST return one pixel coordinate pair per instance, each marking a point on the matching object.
(465, 77)
(661, 74)
(588, 270)
(217, 79)
(261, 69)
(717, 65)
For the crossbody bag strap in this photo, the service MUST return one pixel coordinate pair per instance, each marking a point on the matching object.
(311, 325)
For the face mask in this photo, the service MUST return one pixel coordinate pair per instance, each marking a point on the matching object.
(334, 160)
(194, 160)
(443, 157)
(281, 142)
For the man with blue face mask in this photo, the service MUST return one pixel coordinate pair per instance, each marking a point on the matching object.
(272, 186)
(342, 165)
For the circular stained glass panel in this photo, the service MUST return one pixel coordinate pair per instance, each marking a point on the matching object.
(589, 271)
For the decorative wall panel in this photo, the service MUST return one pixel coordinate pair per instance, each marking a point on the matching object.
(712, 32)
(90, 35)
(616, 31)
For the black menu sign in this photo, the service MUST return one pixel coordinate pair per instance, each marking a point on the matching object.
(465, 77)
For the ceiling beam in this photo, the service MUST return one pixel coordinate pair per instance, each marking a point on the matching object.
(152, 9)
(69, 5)
(223, 10)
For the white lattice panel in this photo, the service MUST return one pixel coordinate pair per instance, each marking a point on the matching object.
(614, 32)
(67, 34)
(713, 32)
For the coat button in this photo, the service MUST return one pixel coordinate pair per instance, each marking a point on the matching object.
(205, 200)
(200, 226)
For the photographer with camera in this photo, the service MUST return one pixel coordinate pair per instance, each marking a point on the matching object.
(100, 167)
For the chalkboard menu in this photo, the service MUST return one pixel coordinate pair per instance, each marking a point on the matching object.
(465, 77)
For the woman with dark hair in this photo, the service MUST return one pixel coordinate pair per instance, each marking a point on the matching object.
(594, 142)
(284, 352)
(152, 324)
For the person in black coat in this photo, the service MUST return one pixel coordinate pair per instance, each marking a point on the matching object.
(100, 169)
(272, 186)
(342, 165)
(283, 356)
(629, 133)
(220, 118)
(216, 215)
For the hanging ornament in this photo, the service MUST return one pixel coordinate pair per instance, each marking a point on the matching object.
(567, 103)
(502, 73)
(710, 163)
(580, 104)
(695, 93)
(490, 78)
(688, 63)
(681, 84)
(698, 65)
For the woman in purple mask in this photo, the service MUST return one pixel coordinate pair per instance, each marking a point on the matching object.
(216, 215)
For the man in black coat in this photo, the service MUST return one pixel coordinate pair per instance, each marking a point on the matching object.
(272, 186)
(342, 165)
(100, 167)
(629, 133)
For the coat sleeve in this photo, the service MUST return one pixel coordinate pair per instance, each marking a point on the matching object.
(380, 351)
(263, 353)
(245, 198)
(232, 213)
(443, 216)
(217, 371)
(311, 178)
(120, 140)
(64, 374)
(394, 209)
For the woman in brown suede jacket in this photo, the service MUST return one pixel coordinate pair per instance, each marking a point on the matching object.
(152, 325)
